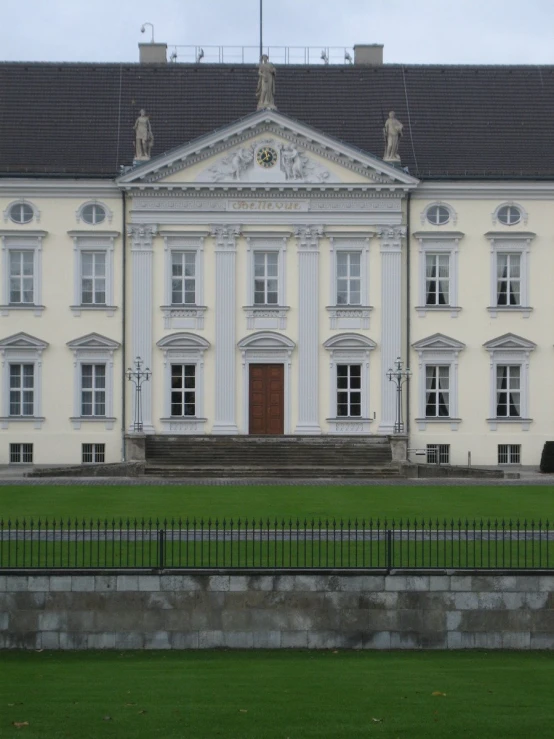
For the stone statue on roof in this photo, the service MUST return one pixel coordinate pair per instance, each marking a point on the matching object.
(144, 139)
(392, 132)
(266, 84)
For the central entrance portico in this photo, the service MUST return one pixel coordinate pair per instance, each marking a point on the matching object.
(266, 399)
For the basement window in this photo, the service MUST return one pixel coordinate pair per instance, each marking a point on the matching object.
(93, 453)
(438, 453)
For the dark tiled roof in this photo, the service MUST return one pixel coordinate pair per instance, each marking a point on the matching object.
(459, 121)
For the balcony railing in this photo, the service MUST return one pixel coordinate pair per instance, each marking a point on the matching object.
(251, 54)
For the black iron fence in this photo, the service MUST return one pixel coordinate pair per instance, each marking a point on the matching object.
(283, 544)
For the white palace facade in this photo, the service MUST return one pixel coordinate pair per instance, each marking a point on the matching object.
(269, 275)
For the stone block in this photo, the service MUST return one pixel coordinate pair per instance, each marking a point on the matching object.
(534, 601)
(461, 582)
(16, 584)
(333, 640)
(263, 619)
(52, 621)
(236, 619)
(465, 601)
(284, 582)
(439, 583)
(80, 620)
(516, 640)
(29, 640)
(129, 640)
(149, 583)
(261, 582)
(73, 640)
(377, 640)
(543, 621)
(239, 583)
(513, 601)
(38, 583)
(343, 600)
(184, 640)
(542, 641)
(294, 639)
(49, 640)
(219, 583)
(60, 583)
(3, 583)
(22, 622)
(378, 600)
(103, 640)
(177, 583)
(267, 639)
(420, 621)
(238, 639)
(361, 583)
(4, 621)
(163, 601)
(488, 640)
(211, 639)
(493, 583)
(460, 640)
(527, 583)
(546, 583)
(492, 601)
(127, 582)
(453, 620)
(404, 583)
(105, 583)
(82, 583)
(157, 640)
(404, 640)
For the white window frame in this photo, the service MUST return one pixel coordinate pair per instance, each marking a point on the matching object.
(22, 241)
(22, 348)
(445, 242)
(453, 219)
(349, 348)
(93, 241)
(349, 316)
(79, 213)
(274, 315)
(21, 390)
(510, 349)
(438, 349)
(21, 201)
(93, 349)
(510, 448)
(522, 221)
(186, 316)
(183, 348)
(510, 243)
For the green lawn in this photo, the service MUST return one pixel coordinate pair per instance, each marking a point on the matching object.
(262, 501)
(280, 694)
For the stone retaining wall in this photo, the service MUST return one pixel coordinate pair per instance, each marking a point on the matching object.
(443, 610)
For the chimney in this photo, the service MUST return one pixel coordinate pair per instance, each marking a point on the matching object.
(153, 53)
(370, 55)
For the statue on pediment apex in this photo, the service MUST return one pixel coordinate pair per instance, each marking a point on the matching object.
(266, 84)
(144, 139)
(392, 132)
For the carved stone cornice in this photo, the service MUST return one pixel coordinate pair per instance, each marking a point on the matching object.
(391, 237)
(307, 237)
(225, 237)
(142, 235)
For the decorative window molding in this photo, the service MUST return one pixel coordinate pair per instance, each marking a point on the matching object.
(349, 315)
(99, 242)
(184, 315)
(438, 350)
(440, 243)
(183, 348)
(22, 348)
(349, 349)
(510, 204)
(510, 243)
(266, 315)
(108, 214)
(93, 349)
(510, 350)
(266, 347)
(433, 214)
(9, 215)
(22, 241)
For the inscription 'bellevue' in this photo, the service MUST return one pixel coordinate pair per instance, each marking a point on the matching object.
(265, 205)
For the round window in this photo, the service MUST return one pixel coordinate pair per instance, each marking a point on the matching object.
(21, 213)
(509, 215)
(93, 214)
(438, 215)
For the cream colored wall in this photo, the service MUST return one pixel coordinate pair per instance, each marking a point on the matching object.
(57, 441)
(474, 326)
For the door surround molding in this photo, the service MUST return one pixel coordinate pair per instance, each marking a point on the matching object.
(266, 347)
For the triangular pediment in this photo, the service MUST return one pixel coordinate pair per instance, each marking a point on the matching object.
(93, 341)
(510, 342)
(267, 148)
(22, 341)
(438, 342)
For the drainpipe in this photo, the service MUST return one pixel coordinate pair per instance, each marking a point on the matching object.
(408, 310)
(123, 324)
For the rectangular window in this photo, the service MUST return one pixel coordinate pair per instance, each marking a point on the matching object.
(509, 454)
(348, 278)
(183, 390)
(93, 278)
(437, 279)
(437, 391)
(22, 389)
(21, 454)
(349, 390)
(93, 453)
(22, 267)
(508, 279)
(508, 391)
(438, 453)
(266, 278)
(183, 277)
(93, 390)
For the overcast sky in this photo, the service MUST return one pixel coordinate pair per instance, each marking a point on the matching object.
(422, 31)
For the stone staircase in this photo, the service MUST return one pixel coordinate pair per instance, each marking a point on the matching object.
(270, 457)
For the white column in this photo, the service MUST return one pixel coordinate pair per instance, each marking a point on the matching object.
(391, 319)
(141, 313)
(225, 421)
(308, 329)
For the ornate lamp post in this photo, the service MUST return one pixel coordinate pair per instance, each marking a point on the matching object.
(400, 377)
(138, 376)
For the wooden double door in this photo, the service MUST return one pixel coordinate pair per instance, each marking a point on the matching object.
(267, 399)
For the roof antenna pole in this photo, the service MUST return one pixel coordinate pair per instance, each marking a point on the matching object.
(261, 27)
